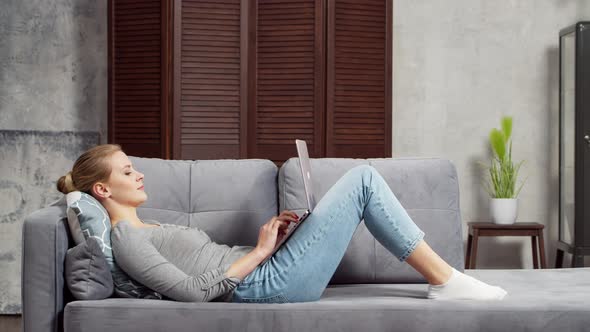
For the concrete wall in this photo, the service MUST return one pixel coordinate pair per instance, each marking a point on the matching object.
(459, 66)
(53, 106)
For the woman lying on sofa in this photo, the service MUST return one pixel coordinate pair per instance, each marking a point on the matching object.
(174, 260)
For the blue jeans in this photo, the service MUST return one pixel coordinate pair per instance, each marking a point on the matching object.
(301, 269)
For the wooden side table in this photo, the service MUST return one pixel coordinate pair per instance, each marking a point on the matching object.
(477, 229)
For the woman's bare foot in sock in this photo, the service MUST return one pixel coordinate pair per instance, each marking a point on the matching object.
(463, 287)
(445, 281)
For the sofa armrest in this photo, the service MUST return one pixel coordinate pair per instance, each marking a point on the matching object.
(45, 241)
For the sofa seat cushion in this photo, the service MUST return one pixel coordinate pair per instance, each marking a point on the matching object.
(538, 300)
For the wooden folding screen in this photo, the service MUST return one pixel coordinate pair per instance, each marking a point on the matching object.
(359, 79)
(289, 79)
(196, 79)
(139, 108)
(210, 79)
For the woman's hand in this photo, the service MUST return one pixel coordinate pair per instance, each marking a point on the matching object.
(270, 234)
(273, 232)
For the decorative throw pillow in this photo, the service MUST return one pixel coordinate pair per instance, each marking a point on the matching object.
(87, 218)
(87, 272)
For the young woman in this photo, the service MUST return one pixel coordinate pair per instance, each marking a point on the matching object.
(182, 263)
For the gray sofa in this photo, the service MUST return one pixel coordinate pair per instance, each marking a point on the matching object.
(371, 290)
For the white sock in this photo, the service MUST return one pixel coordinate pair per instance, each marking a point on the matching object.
(463, 287)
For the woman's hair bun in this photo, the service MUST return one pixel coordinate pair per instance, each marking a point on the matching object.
(65, 184)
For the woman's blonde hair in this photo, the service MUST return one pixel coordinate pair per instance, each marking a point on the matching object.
(91, 167)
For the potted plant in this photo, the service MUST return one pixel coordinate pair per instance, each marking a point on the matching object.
(503, 174)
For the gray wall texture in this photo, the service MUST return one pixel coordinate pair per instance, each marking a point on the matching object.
(458, 67)
(53, 106)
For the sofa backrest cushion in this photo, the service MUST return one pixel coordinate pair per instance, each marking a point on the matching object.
(228, 199)
(426, 187)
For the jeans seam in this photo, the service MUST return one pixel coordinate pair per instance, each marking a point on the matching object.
(262, 300)
(412, 246)
(372, 192)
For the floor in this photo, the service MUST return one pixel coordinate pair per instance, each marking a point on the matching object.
(10, 323)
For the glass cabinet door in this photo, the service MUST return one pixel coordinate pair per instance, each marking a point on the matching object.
(567, 139)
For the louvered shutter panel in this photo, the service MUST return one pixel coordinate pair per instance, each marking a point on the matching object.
(289, 89)
(209, 113)
(359, 79)
(135, 77)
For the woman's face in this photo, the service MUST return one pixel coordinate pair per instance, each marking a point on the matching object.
(125, 183)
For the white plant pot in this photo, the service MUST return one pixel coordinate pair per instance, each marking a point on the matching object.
(504, 210)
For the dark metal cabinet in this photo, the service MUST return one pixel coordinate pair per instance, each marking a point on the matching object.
(574, 144)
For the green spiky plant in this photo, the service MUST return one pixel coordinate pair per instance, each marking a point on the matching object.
(503, 173)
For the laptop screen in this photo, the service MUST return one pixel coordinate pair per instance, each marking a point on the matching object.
(305, 166)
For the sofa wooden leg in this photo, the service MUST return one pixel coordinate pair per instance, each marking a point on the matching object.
(535, 255)
(542, 250)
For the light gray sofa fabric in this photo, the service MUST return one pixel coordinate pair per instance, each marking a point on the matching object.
(45, 242)
(231, 199)
(546, 300)
(167, 184)
(426, 187)
(228, 199)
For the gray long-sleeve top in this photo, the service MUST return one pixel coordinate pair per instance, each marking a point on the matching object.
(176, 261)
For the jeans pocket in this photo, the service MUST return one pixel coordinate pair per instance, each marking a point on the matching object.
(280, 298)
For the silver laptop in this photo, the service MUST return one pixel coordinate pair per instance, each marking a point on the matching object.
(311, 203)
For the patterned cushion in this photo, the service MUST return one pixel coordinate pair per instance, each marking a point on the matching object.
(87, 218)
